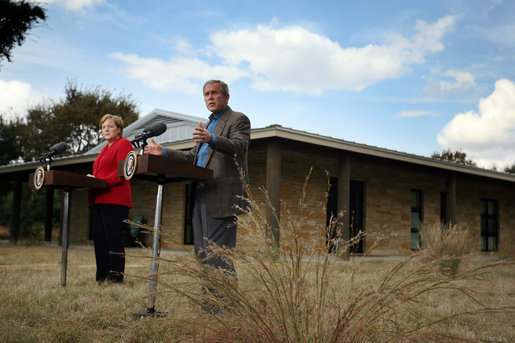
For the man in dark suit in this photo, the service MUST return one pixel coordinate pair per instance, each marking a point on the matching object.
(222, 145)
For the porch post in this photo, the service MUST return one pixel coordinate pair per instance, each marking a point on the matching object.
(273, 187)
(16, 209)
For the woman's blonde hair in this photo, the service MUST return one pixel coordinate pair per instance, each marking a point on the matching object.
(117, 120)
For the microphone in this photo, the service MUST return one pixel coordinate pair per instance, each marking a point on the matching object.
(58, 148)
(150, 131)
(55, 149)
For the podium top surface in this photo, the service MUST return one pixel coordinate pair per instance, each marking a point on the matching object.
(164, 169)
(66, 179)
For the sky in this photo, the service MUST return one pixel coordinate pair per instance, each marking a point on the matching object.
(412, 76)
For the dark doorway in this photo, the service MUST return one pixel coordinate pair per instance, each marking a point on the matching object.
(356, 212)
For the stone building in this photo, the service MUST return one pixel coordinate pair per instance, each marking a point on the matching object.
(377, 191)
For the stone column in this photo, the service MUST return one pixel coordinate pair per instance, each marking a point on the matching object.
(15, 211)
(273, 187)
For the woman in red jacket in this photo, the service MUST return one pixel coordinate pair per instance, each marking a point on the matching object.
(110, 206)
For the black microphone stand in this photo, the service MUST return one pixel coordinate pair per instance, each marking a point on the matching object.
(46, 159)
(139, 143)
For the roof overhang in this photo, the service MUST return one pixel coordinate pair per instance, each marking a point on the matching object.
(277, 131)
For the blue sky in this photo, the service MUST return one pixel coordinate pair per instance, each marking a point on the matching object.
(412, 76)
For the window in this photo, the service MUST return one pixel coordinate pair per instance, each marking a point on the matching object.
(416, 218)
(356, 214)
(489, 225)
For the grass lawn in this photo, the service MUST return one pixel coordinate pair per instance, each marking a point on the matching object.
(34, 308)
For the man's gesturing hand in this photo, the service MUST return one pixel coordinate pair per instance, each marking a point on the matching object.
(154, 149)
(201, 135)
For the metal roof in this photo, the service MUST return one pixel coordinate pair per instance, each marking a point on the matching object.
(179, 127)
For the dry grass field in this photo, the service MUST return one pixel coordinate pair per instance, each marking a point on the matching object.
(299, 293)
(363, 301)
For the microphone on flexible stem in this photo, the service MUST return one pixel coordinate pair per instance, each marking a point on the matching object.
(55, 149)
(140, 141)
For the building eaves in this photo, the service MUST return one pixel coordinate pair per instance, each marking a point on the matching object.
(58, 162)
(278, 131)
(340, 144)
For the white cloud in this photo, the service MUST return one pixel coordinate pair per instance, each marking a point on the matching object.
(487, 136)
(75, 5)
(462, 81)
(15, 98)
(292, 59)
(177, 74)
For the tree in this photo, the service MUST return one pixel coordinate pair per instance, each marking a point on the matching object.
(8, 152)
(453, 156)
(73, 120)
(510, 170)
(16, 18)
(8, 149)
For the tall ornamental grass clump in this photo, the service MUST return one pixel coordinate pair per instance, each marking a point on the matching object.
(294, 290)
(446, 243)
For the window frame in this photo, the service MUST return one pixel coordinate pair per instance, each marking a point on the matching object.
(487, 239)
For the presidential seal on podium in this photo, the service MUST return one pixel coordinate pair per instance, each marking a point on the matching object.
(39, 177)
(129, 167)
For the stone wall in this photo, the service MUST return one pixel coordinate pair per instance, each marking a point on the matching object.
(387, 188)
(387, 191)
(144, 195)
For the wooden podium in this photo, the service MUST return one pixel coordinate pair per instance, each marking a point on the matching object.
(165, 170)
(161, 170)
(67, 181)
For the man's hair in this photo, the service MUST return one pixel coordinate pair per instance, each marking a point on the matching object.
(117, 120)
(223, 86)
